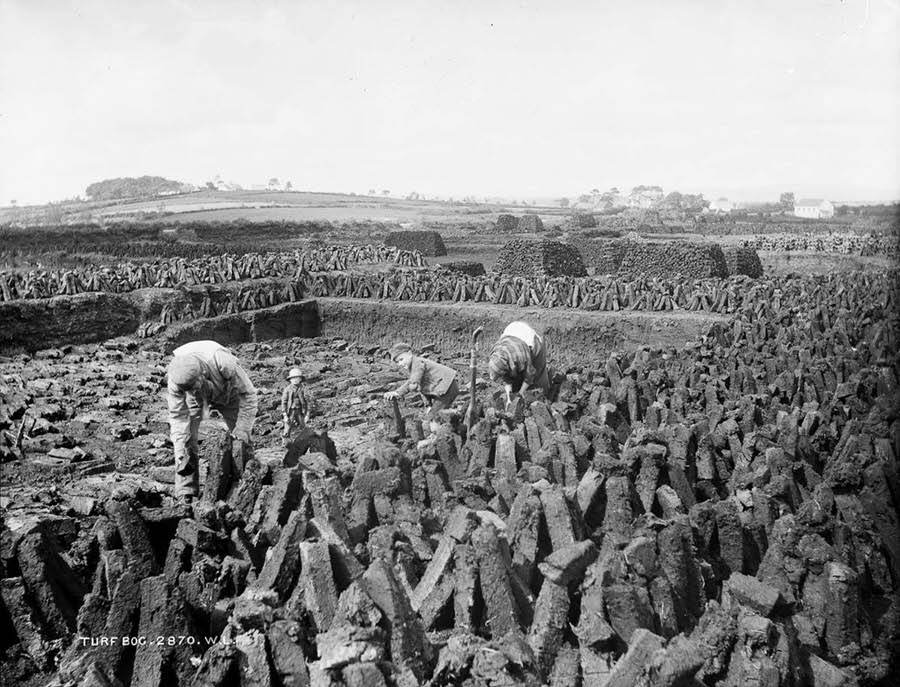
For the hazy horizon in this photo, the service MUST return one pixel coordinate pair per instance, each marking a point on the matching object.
(540, 100)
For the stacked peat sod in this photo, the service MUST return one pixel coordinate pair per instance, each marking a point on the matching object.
(427, 243)
(635, 258)
(743, 260)
(722, 515)
(530, 224)
(506, 224)
(692, 260)
(602, 256)
(887, 246)
(541, 258)
(582, 220)
(207, 270)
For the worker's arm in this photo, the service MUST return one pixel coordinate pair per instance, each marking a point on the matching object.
(304, 406)
(416, 370)
(237, 378)
(285, 401)
(285, 408)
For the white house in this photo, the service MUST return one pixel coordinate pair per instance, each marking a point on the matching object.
(813, 208)
(720, 206)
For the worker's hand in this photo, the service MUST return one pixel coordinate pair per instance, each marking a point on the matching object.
(509, 393)
(241, 435)
(390, 395)
(306, 419)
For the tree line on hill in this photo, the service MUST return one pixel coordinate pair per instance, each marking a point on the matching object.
(123, 188)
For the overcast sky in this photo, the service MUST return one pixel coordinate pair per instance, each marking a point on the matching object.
(522, 99)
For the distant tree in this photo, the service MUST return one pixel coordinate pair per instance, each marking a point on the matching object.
(672, 201)
(584, 198)
(288, 186)
(608, 198)
(563, 202)
(210, 185)
(786, 200)
(385, 192)
(13, 202)
(273, 183)
(693, 202)
(371, 191)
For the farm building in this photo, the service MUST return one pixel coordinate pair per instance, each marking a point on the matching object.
(814, 208)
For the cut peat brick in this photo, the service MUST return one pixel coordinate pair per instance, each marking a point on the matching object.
(551, 615)
(163, 616)
(26, 622)
(219, 667)
(494, 576)
(466, 578)
(280, 569)
(568, 564)
(317, 583)
(326, 502)
(559, 520)
(287, 655)
(253, 660)
(135, 537)
(752, 593)
(409, 647)
(244, 492)
(630, 669)
(51, 583)
(523, 532)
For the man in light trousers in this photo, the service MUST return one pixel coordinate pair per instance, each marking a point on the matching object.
(204, 375)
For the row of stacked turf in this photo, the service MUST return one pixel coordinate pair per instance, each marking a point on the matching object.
(625, 258)
(887, 246)
(207, 269)
(766, 300)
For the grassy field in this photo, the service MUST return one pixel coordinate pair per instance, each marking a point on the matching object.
(263, 205)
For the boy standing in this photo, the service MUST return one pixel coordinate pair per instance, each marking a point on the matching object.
(294, 406)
